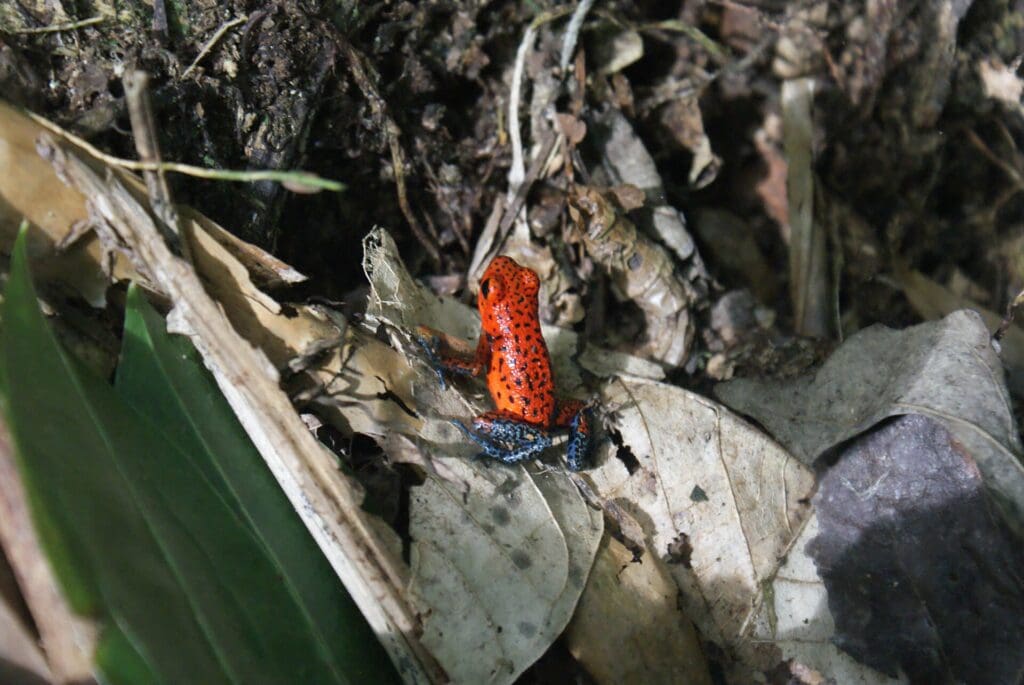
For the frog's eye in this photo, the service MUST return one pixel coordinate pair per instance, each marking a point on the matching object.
(492, 289)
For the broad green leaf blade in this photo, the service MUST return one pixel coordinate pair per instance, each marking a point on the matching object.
(144, 536)
(119, 662)
(66, 426)
(163, 376)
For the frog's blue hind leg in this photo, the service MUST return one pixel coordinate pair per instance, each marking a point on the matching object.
(507, 441)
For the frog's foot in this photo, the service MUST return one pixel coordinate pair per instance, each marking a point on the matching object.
(431, 347)
(509, 441)
(577, 417)
(442, 359)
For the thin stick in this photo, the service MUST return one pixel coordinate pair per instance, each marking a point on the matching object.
(572, 33)
(224, 28)
(297, 177)
(517, 172)
(140, 111)
(57, 28)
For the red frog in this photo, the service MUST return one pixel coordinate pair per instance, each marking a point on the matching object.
(512, 352)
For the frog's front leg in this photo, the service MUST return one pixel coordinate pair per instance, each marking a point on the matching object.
(576, 416)
(444, 356)
(505, 438)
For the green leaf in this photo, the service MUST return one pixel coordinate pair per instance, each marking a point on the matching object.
(163, 376)
(138, 533)
(74, 438)
(121, 662)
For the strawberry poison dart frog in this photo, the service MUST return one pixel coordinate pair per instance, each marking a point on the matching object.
(513, 354)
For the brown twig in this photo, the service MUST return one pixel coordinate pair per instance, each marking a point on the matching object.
(208, 46)
(140, 111)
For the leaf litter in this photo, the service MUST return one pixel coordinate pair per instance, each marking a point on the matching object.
(703, 481)
(368, 386)
(917, 525)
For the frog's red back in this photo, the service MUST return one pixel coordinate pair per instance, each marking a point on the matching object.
(519, 371)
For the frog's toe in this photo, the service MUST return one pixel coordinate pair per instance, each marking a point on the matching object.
(577, 453)
(430, 347)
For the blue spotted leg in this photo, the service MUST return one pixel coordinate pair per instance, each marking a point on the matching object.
(509, 441)
(577, 454)
(443, 363)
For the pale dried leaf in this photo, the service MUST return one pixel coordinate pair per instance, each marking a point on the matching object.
(615, 48)
(498, 565)
(629, 628)
(808, 265)
(945, 369)
(708, 482)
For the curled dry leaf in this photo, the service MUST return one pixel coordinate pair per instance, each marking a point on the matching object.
(626, 160)
(641, 270)
(945, 369)
(718, 502)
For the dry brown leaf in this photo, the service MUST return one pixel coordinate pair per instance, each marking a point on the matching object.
(641, 271)
(628, 627)
(724, 506)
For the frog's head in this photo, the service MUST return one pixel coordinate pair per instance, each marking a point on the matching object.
(507, 289)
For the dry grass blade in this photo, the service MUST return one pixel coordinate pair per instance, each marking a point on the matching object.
(808, 266)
